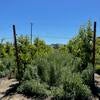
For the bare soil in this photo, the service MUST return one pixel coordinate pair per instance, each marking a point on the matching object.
(7, 92)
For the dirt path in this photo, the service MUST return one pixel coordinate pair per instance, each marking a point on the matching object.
(7, 92)
(8, 88)
(97, 84)
(97, 79)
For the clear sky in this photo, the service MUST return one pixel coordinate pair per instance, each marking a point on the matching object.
(52, 18)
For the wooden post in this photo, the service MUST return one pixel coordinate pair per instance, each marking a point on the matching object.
(16, 49)
(94, 43)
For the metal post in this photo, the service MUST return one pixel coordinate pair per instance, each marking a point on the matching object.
(94, 43)
(16, 49)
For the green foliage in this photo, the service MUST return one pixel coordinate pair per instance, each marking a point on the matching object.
(57, 73)
(75, 89)
(98, 55)
(87, 75)
(64, 72)
(24, 56)
(7, 63)
(41, 49)
(30, 73)
(43, 69)
(81, 46)
(57, 92)
(7, 66)
(33, 87)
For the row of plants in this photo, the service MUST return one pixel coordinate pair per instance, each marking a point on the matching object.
(65, 72)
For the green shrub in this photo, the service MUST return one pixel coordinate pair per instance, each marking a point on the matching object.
(75, 89)
(43, 68)
(87, 75)
(7, 66)
(30, 73)
(57, 91)
(33, 87)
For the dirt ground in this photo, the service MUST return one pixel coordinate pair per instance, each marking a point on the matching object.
(5, 89)
(8, 93)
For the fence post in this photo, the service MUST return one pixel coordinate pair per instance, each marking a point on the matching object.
(16, 50)
(94, 44)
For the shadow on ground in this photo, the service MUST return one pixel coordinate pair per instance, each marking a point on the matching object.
(97, 92)
(11, 91)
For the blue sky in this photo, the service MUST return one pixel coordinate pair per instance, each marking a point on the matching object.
(52, 18)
